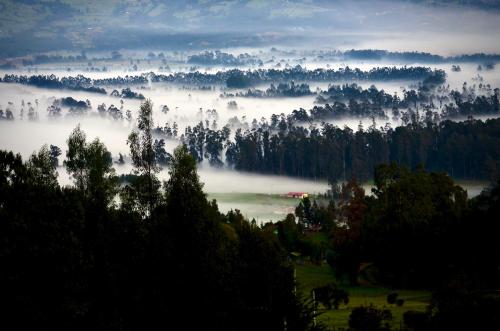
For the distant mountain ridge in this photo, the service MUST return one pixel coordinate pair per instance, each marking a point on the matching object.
(28, 26)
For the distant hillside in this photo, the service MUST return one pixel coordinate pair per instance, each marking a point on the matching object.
(28, 26)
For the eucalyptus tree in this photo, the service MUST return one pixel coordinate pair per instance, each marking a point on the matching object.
(42, 169)
(100, 174)
(143, 157)
(161, 155)
(91, 166)
(55, 152)
(75, 156)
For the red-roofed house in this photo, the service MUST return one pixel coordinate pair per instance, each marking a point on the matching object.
(298, 195)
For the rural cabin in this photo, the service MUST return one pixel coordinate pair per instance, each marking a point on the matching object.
(297, 195)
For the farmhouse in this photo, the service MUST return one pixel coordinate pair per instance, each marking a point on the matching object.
(297, 195)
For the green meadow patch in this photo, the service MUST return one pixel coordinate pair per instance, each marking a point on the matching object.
(262, 207)
(310, 276)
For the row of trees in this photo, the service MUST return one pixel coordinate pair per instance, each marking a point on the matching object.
(425, 93)
(274, 91)
(350, 100)
(241, 79)
(412, 57)
(224, 59)
(234, 78)
(127, 93)
(466, 150)
(77, 83)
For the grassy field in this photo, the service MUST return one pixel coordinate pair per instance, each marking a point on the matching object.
(310, 276)
(274, 207)
(265, 207)
(262, 207)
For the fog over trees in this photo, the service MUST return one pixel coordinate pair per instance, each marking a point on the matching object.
(250, 165)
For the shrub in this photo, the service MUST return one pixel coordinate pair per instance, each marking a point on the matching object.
(415, 320)
(391, 298)
(369, 319)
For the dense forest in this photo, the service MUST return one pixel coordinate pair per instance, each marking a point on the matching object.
(74, 257)
(465, 150)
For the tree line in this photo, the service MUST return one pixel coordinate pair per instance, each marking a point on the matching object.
(234, 78)
(465, 150)
(281, 90)
(423, 57)
(77, 83)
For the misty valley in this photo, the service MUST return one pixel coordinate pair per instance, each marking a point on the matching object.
(250, 165)
(231, 110)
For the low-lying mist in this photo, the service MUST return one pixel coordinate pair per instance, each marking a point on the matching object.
(187, 106)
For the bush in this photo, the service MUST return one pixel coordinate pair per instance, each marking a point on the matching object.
(391, 298)
(416, 320)
(331, 296)
(369, 319)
